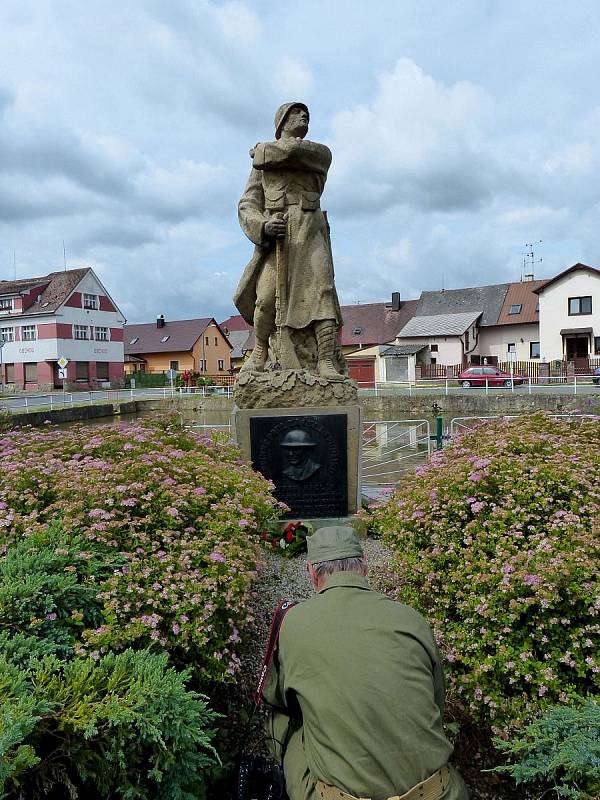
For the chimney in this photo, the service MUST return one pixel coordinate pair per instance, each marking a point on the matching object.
(160, 321)
(395, 301)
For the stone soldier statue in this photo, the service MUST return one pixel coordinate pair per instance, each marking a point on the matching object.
(288, 286)
(357, 689)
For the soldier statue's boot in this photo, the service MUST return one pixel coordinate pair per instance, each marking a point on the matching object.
(258, 359)
(326, 332)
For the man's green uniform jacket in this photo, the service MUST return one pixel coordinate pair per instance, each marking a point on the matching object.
(365, 674)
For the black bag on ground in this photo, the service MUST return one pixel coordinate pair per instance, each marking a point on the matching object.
(260, 779)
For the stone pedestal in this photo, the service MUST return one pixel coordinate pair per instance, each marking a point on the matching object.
(292, 388)
(312, 455)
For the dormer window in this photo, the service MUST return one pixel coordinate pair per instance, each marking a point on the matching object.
(6, 304)
(90, 301)
(516, 308)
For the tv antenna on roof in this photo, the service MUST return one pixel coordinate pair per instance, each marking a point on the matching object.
(529, 260)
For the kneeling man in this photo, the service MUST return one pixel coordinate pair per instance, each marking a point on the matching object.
(357, 689)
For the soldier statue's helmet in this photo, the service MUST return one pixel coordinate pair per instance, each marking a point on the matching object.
(282, 113)
(297, 438)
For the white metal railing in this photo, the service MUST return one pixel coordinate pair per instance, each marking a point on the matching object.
(466, 423)
(207, 391)
(571, 384)
(51, 400)
(389, 447)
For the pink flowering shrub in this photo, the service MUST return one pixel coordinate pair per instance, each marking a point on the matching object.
(179, 509)
(497, 542)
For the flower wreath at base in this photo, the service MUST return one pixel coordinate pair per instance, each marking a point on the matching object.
(289, 541)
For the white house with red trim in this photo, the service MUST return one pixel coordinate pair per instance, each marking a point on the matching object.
(61, 315)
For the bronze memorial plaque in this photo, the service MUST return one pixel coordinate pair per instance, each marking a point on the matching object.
(306, 458)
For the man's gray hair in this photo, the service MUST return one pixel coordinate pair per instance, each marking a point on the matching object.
(355, 564)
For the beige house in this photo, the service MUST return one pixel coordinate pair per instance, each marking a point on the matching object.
(569, 314)
(197, 345)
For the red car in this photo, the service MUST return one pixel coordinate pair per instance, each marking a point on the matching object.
(490, 376)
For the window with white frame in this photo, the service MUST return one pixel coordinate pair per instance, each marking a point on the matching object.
(7, 334)
(221, 365)
(80, 331)
(90, 301)
(512, 347)
(28, 333)
(101, 334)
(516, 308)
(6, 304)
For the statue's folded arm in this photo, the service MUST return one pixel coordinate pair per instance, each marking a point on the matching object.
(292, 154)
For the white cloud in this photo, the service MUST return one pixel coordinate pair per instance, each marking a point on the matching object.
(126, 127)
(419, 143)
(238, 23)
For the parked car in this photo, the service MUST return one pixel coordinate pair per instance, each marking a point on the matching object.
(596, 377)
(490, 376)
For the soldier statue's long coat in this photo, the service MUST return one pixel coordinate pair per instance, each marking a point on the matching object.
(287, 177)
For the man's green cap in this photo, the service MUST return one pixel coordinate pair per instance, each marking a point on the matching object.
(329, 544)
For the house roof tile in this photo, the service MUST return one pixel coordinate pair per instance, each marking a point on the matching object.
(241, 341)
(521, 294)
(439, 325)
(487, 300)
(402, 349)
(235, 323)
(59, 286)
(374, 323)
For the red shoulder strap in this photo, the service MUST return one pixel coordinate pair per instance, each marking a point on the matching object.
(271, 645)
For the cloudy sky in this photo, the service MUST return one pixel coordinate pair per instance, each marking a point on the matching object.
(460, 130)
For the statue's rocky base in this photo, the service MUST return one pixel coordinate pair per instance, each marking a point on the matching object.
(318, 478)
(292, 388)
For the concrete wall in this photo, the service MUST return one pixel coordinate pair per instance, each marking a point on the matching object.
(74, 414)
(402, 406)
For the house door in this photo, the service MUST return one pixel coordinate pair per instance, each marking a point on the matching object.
(362, 371)
(577, 347)
(396, 369)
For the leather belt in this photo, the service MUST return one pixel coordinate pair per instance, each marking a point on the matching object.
(432, 788)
